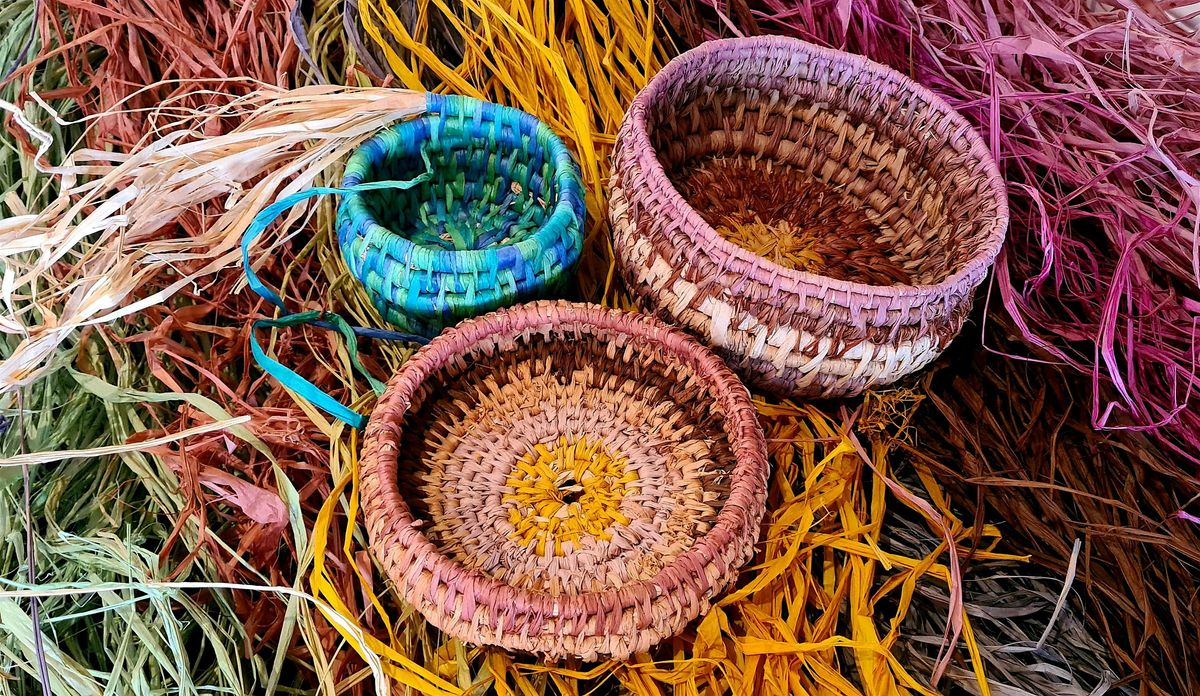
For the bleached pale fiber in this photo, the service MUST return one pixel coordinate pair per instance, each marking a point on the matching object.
(84, 259)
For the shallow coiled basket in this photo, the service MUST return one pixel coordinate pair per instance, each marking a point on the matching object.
(819, 219)
(563, 479)
(496, 217)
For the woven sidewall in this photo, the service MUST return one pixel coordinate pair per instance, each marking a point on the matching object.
(498, 220)
(628, 556)
(919, 176)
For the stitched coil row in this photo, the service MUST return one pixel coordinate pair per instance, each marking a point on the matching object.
(564, 479)
(819, 219)
(496, 217)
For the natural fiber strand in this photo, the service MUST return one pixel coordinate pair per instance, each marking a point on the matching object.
(1011, 609)
(194, 56)
(1037, 462)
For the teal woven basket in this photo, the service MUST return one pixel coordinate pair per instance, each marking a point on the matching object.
(496, 217)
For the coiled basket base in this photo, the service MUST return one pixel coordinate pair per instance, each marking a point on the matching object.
(564, 479)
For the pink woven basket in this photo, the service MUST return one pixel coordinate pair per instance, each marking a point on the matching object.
(820, 220)
(563, 479)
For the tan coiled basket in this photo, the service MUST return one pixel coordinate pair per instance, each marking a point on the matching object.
(819, 219)
(563, 479)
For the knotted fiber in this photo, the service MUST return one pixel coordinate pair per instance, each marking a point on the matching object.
(497, 220)
(563, 479)
(819, 219)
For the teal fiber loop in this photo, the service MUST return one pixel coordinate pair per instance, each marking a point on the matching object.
(498, 220)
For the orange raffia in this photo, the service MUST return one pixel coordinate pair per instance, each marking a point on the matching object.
(193, 55)
(566, 492)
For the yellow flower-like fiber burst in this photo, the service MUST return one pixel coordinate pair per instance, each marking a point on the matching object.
(566, 493)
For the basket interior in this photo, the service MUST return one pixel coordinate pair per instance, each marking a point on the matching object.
(566, 463)
(481, 192)
(814, 185)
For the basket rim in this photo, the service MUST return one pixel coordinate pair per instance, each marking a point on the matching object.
(639, 140)
(737, 522)
(557, 224)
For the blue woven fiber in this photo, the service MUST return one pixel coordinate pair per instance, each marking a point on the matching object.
(498, 221)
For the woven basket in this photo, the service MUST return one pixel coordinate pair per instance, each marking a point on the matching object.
(821, 220)
(563, 479)
(497, 218)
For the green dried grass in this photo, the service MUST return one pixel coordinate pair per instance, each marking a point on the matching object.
(99, 523)
(18, 175)
(117, 616)
(103, 520)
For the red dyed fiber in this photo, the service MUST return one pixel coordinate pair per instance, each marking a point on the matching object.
(120, 46)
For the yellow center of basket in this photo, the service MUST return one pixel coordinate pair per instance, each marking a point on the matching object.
(565, 493)
(787, 245)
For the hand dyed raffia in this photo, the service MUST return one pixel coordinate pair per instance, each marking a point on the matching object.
(497, 219)
(563, 479)
(819, 219)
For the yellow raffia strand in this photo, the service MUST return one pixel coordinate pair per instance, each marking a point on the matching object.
(396, 664)
(566, 494)
(802, 616)
(805, 615)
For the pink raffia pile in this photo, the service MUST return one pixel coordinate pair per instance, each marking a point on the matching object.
(1093, 112)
